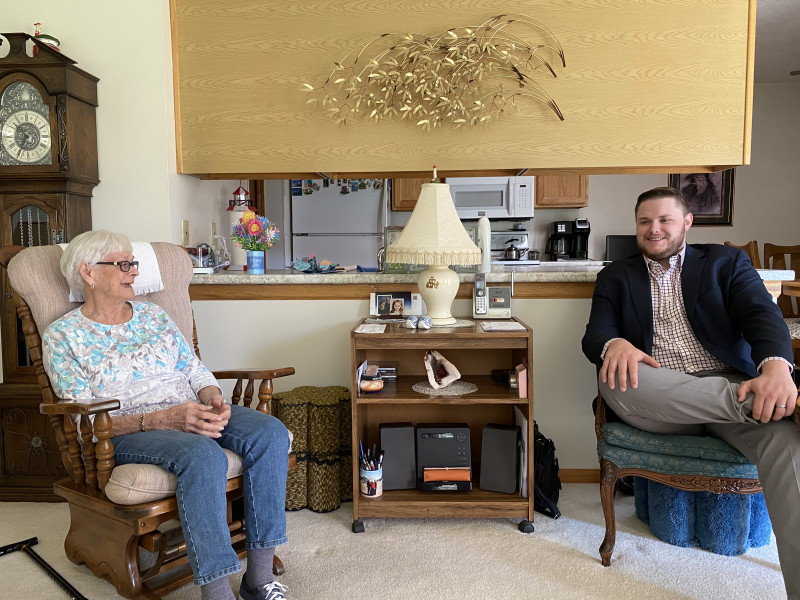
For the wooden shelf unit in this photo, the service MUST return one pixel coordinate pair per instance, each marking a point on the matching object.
(475, 353)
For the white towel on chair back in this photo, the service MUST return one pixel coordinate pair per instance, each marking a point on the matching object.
(149, 279)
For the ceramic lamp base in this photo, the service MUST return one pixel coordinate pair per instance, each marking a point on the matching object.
(438, 286)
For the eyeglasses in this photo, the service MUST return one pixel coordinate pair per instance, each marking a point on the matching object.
(124, 265)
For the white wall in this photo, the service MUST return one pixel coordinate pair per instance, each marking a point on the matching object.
(127, 46)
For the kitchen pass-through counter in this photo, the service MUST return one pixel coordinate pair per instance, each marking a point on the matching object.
(568, 279)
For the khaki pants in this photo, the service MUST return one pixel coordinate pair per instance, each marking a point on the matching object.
(671, 402)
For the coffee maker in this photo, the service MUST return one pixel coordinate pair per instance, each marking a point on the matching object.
(580, 240)
(559, 244)
(568, 240)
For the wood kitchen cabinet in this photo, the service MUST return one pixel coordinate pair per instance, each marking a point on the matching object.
(475, 353)
(561, 191)
(405, 192)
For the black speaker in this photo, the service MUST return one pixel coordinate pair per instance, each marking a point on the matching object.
(500, 458)
(399, 462)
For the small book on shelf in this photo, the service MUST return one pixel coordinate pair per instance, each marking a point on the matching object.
(387, 369)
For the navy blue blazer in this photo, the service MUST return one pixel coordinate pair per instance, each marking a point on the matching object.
(727, 304)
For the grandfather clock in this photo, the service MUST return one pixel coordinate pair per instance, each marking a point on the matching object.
(48, 169)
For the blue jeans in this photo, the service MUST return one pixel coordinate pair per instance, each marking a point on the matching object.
(200, 466)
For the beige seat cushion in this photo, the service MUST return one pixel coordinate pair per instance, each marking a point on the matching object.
(134, 484)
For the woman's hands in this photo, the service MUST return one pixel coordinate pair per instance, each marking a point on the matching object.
(208, 418)
(193, 417)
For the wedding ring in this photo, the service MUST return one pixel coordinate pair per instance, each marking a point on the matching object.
(780, 406)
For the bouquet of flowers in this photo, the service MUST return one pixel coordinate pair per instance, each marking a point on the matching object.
(254, 233)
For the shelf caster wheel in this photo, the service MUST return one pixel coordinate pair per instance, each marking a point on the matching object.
(358, 526)
(524, 526)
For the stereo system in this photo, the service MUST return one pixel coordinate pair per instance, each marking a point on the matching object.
(437, 457)
(443, 446)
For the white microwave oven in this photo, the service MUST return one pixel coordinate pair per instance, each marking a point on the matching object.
(492, 197)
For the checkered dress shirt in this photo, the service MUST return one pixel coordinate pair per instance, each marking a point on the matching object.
(674, 344)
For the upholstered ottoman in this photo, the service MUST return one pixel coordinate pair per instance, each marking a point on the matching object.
(728, 524)
(320, 419)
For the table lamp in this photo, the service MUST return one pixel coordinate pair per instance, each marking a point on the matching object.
(434, 236)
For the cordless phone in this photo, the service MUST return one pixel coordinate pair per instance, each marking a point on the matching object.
(490, 302)
(479, 304)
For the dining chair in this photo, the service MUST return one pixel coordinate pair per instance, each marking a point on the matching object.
(124, 520)
(787, 257)
(751, 249)
(784, 257)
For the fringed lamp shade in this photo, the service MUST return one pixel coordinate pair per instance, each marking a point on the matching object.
(434, 236)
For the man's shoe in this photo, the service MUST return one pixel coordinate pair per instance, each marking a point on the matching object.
(270, 591)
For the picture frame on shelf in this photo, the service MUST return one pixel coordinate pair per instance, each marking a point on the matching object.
(710, 195)
(384, 304)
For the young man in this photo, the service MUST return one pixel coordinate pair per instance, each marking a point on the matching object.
(688, 341)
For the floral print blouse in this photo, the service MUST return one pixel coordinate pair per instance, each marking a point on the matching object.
(145, 363)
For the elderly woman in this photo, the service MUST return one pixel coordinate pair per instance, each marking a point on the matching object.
(171, 414)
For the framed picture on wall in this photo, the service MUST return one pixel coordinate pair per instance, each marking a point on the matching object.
(710, 195)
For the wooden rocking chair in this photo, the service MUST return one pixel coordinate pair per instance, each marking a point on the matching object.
(113, 519)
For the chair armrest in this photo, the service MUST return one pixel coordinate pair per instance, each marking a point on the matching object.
(89, 462)
(264, 389)
(600, 416)
(250, 374)
(78, 408)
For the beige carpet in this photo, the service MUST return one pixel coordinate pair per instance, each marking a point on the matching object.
(440, 559)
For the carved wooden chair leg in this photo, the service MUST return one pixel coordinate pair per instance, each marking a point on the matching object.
(277, 566)
(608, 489)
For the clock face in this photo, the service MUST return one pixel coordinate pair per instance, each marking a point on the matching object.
(26, 137)
(24, 126)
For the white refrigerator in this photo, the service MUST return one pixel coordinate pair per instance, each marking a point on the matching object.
(346, 229)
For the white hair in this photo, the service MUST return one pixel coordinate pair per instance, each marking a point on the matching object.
(90, 248)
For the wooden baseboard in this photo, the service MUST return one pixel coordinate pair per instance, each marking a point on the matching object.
(579, 475)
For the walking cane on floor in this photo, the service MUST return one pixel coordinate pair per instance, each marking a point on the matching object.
(25, 546)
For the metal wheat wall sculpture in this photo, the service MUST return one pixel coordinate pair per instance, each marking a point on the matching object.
(463, 75)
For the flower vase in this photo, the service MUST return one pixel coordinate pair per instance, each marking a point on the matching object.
(255, 262)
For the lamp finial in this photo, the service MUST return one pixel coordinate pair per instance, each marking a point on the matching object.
(435, 177)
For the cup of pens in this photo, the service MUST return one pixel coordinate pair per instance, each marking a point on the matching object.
(370, 472)
(371, 483)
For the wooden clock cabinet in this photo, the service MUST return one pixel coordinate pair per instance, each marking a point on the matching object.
(43, 200)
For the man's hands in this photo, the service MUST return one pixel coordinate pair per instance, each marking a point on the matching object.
(775, 394)
(621, 363)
